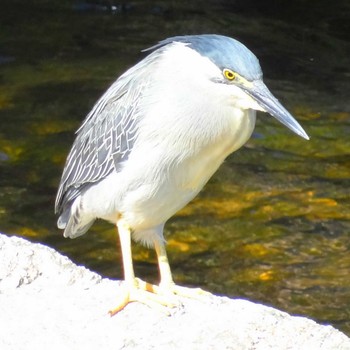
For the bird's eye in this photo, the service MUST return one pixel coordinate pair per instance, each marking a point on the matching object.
(228, 74)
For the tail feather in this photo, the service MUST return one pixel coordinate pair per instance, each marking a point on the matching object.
(73, 220)
(74, 230)
(64, 218)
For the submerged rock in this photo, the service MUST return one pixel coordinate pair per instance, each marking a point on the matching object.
(48, 302)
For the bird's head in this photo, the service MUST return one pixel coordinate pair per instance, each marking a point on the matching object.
(235, 67)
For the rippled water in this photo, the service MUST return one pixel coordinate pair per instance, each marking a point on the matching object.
(272, 225)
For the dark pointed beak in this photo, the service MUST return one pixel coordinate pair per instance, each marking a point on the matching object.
(262, 95)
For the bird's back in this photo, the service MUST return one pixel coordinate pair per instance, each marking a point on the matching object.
(105, 138)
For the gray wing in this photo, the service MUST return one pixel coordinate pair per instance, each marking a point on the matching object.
(107, 135)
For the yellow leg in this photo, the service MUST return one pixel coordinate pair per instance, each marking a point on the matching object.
(166, 278)
(167, 285)
(135, 289)
(125, 243)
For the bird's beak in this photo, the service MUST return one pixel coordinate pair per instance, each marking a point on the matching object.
(262, 95)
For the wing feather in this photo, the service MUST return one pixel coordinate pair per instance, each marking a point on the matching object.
(107, 135)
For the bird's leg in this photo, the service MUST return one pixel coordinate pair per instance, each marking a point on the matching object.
(167, 285)
(166, 278)
(134, 289)
(125, 243)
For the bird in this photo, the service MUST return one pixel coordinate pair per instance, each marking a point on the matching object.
(154, 139)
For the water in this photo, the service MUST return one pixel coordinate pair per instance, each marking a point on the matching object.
(272, 225)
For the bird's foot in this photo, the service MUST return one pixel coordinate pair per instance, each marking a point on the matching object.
(144, 293)
(187, 292)
(159, 297)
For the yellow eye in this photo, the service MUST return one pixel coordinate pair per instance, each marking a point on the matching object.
(228, 74)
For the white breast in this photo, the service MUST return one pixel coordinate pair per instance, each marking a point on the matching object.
(166, 173)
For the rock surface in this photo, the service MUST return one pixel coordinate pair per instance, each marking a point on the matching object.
(47, 302)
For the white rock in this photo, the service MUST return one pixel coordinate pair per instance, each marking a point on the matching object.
(47, 302)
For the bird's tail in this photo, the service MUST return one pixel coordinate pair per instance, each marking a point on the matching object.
(73, 221)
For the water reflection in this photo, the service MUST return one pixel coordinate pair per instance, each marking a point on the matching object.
(272, 225)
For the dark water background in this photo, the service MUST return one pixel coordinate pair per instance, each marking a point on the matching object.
(273, 224)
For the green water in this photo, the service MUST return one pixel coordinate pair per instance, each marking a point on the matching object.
(272, 225)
